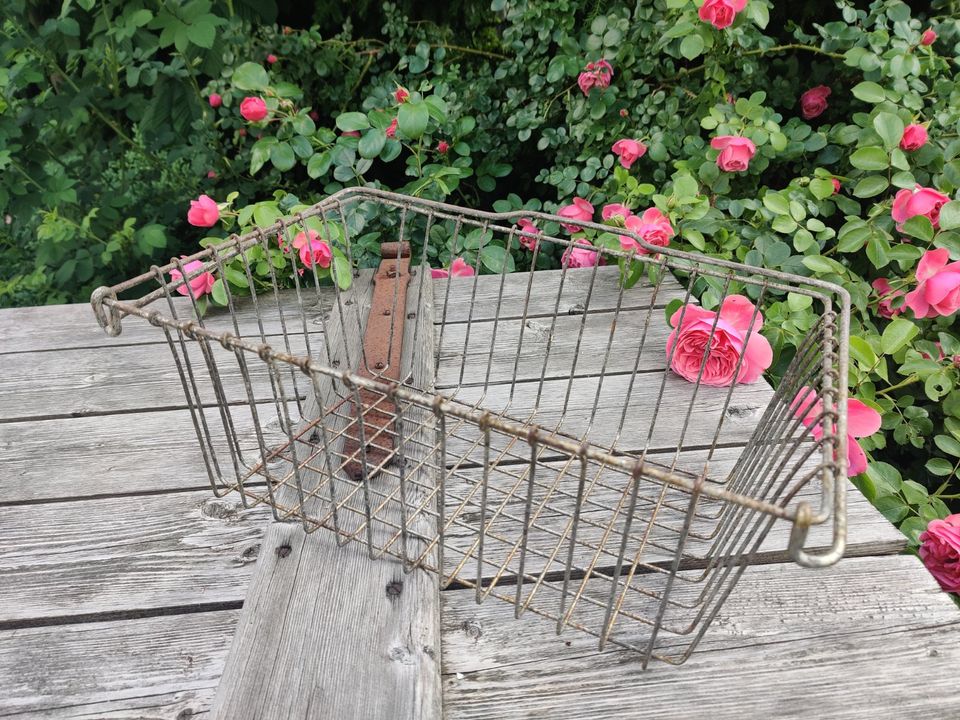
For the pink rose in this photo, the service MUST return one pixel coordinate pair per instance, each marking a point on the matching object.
(919, 201)
(201, 284)
(312, 249)
(576, 257)
(914, 137)
(721, 13)
(653, 227)
(938, 286)
(734, 340)
(596, 74)
(529, 234)
(629, 151)
(271, 58)
(211, 174)
(391, 131)
(215, 100)
(614, 210)
(735, 152)
(886, 295)
(253, 109)
(203, 212)
(862, 421)
(458, 268)
(814, 101)
(401, 95)
(940, 551)
(836, 185)
(929, 37)
(442, 147)
(579, 210)
(314, 115)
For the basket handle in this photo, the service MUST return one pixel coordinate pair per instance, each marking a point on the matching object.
(804, 518)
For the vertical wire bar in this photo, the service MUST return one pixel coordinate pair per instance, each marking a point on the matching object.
(441, 480)
(446, 296)
(523, 321)
(606, 355)
(472, 305)
(327, 456)
(483, 508)
(583, 325)
(531, 475)
(364, 471)
(496, 318)
(402, 472)
(272, 367)
(562, 616)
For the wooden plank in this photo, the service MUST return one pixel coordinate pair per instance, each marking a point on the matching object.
(63, 327)
(125, 554)
(454, 306)
(325, 627)
(576, 345)
(789, 643)
(126, 378)
(144, 452)
(163, 667)
(554, 501)
(740, 417)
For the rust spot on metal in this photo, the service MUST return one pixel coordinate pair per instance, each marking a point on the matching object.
(382, 348)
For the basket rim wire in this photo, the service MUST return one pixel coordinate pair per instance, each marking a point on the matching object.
(109, 311)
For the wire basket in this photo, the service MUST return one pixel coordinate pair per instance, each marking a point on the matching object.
(519, 433)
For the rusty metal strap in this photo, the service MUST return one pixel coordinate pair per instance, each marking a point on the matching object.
(381, 359)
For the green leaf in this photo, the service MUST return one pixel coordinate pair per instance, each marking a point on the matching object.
(318, 164)
(202, 33)
(260, 153)
(303, 124)
(897, 334)
(691, 46)
(372, 143)
(340, 270)
(950, 215)
(890, 129)
(920, 227)
(822, 188)
(870, 158)
(869, 92)
(671, 308)
(939, 466)
(219, 292)
(352, 121)
(153, 236)
(250, 76)
(937, 385)
(870, 186)
(914, 492)
(412, 118)
(282, 156)
(892, 507)
(862, 352)
(798, 302)
(776, 203)
(496, 258)
(947, 444)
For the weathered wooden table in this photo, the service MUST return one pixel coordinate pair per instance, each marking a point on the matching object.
(122, 581)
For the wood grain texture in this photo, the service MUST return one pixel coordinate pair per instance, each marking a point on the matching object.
(130, 377)
(125, 554)
(161, 668)
(324, 628)
(789, 643)
(553, 503)
(65, 327)
(481, 297)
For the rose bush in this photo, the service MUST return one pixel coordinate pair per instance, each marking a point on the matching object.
(823, 141)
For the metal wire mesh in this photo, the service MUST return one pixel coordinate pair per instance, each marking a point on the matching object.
(529, 440)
